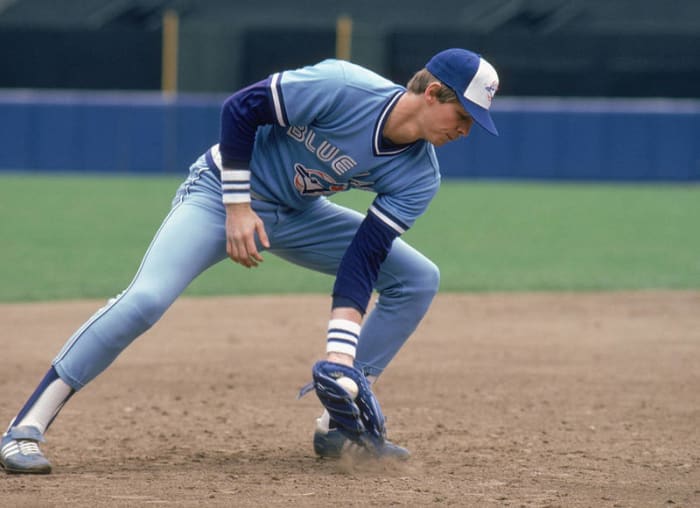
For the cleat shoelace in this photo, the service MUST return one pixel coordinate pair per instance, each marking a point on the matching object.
(28, 447)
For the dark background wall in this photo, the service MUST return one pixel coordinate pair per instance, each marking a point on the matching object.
(121, 58)
(618, 48)
(590, 90)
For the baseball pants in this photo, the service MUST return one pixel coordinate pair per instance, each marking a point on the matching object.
(192, 238)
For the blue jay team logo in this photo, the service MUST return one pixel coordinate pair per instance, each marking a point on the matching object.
(313, 182)
(491, 90)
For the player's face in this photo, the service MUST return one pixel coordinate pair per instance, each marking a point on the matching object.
(448, 121)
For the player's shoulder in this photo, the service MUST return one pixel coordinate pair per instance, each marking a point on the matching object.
(414, 171)
(429, 162)
(422, 153)
(428, 166)
(362, 77)
(342, 72)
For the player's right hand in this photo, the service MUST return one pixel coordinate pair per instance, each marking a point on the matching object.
(242, 224)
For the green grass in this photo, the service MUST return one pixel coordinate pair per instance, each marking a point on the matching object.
(68, 236)
(505, 236)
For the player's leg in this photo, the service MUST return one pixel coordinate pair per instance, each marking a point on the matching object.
(407, 283)
(190, 239)
(317, 239)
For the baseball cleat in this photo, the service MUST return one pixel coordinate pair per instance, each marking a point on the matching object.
(20, 453)
(329, 444)
(333, 444)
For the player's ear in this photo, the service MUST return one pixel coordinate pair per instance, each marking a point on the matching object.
(432, 91)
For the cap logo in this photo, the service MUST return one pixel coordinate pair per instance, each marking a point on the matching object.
(483, 85)
(491, 90)
(472, 78)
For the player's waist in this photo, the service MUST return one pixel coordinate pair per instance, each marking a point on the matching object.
(213, 158)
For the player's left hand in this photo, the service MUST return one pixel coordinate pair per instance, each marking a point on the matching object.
(242, 224)
(359, 419)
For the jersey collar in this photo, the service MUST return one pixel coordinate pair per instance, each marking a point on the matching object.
(380, 145)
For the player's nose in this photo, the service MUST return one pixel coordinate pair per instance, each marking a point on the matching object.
(465, 127)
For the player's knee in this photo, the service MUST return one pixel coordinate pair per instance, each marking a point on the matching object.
(147, 307)
(420, 283)
(428, 278)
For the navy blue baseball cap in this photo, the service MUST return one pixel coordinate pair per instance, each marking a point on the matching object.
(472, 78)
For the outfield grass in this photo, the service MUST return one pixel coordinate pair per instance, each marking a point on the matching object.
(67, 236)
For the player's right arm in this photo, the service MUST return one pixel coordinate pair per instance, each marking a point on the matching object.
(241, 115)
(299, 97)
(242, 224)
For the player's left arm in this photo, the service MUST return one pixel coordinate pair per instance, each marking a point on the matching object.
(389, 216)
(361, 419)
(359, 268)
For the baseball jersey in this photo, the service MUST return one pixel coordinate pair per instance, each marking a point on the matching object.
(326, 138)
(316, 131)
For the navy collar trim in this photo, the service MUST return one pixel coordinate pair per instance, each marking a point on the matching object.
(380, 145)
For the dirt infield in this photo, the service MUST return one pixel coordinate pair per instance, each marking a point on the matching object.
(572, 400)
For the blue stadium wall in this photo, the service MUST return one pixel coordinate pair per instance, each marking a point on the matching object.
(545, 139)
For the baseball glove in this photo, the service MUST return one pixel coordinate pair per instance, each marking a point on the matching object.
(360, 420)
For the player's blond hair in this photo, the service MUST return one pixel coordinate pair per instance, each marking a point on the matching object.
(420, 81)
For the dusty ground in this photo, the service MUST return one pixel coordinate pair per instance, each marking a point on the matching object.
(505, 400)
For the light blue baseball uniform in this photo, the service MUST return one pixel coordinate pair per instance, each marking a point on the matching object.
(286, 143)
(328, 139)
(317, 131)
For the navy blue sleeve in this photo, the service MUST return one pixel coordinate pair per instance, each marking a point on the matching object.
(241, 115)
(359, 268)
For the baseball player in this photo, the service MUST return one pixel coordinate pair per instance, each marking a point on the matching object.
(286, 143)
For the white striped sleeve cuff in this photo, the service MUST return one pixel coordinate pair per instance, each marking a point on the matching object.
(343, 336)
(235, 185)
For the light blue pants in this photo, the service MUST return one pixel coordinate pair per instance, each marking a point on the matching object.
(192, 238)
